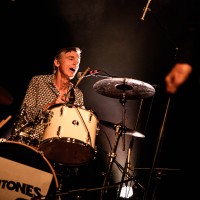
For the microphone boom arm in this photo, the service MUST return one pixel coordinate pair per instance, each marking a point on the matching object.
(145, 10)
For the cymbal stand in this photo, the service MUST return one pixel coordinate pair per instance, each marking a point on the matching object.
(127, 165)
(123, 102)
(112, 156)
(119, 131)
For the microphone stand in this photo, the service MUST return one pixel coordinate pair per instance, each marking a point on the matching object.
(158, 149)
(146, 9)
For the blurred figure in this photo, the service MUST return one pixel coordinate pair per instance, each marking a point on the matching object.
(182, 83)
(187, 59)
(177, 77)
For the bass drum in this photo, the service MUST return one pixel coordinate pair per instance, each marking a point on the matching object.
(69, 136)
(25, 173)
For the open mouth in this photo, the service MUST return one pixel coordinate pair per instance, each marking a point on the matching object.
(72, 69)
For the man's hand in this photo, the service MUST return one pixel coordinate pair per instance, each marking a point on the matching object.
(177, 77)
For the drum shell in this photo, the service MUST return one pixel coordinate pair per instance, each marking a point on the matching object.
(69, 135)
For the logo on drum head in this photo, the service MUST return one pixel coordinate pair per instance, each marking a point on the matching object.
(18, 181)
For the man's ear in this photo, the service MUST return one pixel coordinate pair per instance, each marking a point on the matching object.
(56, 62)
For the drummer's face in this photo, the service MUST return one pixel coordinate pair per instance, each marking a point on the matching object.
(68, 64)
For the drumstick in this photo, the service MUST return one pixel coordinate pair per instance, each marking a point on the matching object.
(82, 76)
(4, 121)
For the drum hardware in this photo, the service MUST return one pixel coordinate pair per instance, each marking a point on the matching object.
(24, 130)
(81, 191)
(127, 167)
(119, 132)
(122, 89)
(126, 170)
(128, 131)
(61, 111)
(58, 131)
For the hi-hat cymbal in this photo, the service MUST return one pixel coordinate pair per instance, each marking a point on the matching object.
(128, 131)
(124, 88)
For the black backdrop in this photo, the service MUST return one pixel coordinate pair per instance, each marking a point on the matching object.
(113, 39)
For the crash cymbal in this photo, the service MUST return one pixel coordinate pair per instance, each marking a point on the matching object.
(128, 131)
(124, 87)
(5, 97)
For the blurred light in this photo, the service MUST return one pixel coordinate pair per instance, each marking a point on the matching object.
(126, 192)
(135, 134)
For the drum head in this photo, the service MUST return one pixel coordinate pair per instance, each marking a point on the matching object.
(26, 173)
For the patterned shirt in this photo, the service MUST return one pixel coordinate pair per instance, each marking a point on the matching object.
(41, 91)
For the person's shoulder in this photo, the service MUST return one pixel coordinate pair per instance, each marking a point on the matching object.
(42, 76)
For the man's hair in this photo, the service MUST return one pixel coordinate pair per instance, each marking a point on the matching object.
(66, 50)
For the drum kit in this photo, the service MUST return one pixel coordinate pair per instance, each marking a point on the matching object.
(69, 140)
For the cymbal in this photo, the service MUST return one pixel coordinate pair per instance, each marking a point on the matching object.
(124, 88)
(5, 97)
(128, 131)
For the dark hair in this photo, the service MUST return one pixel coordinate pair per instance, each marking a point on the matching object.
(65, 50)
(68, 49)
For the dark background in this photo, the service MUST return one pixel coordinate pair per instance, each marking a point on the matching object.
(113, 39)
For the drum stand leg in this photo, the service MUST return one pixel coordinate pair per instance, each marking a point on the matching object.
(112, 159)
(120, 131)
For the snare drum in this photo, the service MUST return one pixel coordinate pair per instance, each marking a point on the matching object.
(25, 173)
(69, 136)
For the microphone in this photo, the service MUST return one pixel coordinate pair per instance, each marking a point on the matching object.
(71, 98)
(89, 73)
(145, 10)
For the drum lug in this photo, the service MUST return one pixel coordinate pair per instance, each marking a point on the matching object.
(97, 130)
(95, 149)
(41, 153)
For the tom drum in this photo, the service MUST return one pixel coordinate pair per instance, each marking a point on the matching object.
(69, 136)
